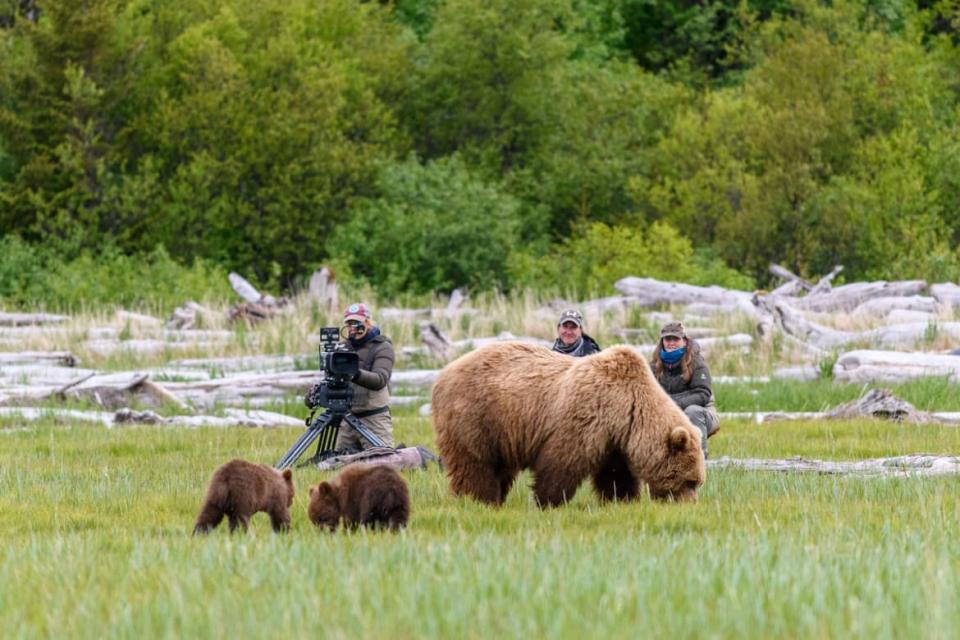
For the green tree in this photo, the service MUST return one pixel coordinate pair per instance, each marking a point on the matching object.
(260, 124)
(433, 228)
(479, 74)
(748, 171)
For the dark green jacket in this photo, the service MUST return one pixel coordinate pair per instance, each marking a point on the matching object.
(698, 391)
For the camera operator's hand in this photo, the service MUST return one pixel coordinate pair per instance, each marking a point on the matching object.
(312, 399)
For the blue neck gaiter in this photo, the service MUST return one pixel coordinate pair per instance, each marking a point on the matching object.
(672, 357)
(367, 337)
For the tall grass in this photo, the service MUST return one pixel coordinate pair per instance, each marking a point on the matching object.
(96, 525)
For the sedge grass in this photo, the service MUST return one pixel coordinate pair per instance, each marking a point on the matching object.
(96, 525)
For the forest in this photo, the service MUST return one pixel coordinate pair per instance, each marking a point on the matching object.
(418, 146)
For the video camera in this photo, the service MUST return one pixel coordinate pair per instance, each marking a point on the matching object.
(339, 366)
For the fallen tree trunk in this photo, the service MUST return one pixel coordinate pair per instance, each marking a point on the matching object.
(792, 282)
(30, 319)
(263, 364)
(126, 416)
(894, 366)
(61, 358)
(436, 342)
(233, 418)
(823, 285)
(186, 316)
(916, 465)
(40, 375)
(649, 292)
(849, 296)
(884, 305)
(947, 294)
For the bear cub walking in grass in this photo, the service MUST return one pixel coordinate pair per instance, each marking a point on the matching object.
(239, 489)
(363, 495)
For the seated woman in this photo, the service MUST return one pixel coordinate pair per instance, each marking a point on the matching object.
(682, 372)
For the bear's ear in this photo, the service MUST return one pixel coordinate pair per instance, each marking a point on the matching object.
(678, 439)
(287, 474)
(313, 491)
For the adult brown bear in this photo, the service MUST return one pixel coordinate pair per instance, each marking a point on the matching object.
(510, 406)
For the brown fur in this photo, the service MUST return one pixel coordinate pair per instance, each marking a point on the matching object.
(239, 489)
(363, 495)
(510, 406)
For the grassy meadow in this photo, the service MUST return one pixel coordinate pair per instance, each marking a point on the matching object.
(96, 528)
(96, 522)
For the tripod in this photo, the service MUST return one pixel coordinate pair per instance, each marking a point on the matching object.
(326, 426)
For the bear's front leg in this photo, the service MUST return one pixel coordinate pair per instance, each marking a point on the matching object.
(614, 481)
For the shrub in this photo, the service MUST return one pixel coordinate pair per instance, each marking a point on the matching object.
(597, 255)
(32, 276)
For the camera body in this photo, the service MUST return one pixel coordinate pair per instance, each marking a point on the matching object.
(339, 366)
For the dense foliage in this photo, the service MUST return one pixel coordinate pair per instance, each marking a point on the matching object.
(424, 145)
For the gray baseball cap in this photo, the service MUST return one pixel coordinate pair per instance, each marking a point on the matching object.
(571, 315)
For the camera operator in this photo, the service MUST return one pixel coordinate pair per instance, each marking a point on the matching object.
(371, 396)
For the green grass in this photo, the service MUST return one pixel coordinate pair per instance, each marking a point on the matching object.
(96, 524)
(926, 394)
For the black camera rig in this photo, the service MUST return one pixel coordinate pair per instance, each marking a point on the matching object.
(335, 394)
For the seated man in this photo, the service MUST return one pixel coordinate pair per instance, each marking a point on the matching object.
(571, 339)
(682, 372)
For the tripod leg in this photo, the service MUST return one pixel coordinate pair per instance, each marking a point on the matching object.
(314, 431)
(364, 431)
(326, 442)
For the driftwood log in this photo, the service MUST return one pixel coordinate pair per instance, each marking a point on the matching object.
(436, 342)
(916, 465)
(187, 316)
(60, 358)
(30, 319)
(648, 292)
(847, 297)
(126, 416)
(884, 305)
(947, 294)
(894, 366)
(323, 289)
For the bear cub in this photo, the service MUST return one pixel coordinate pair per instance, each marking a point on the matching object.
(239, 489)
(363, 495)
